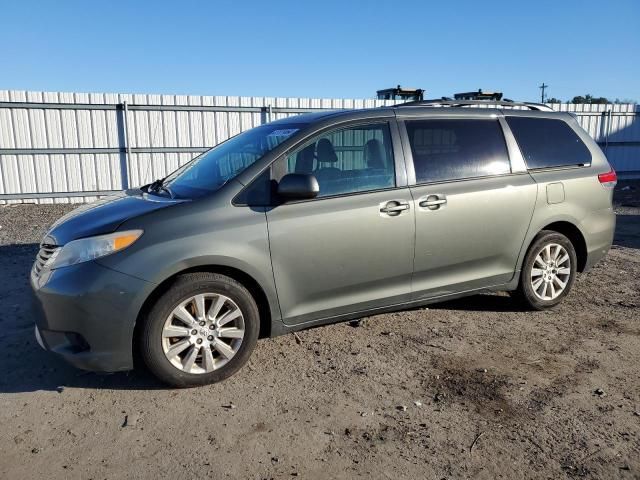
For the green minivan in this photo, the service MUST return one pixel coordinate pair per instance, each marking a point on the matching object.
(319, 218)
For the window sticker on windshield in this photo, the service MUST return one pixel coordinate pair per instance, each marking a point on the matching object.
(285, 132)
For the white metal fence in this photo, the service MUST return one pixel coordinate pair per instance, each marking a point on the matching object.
(62, 147)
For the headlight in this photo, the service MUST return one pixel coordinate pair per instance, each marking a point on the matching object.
(86, 249)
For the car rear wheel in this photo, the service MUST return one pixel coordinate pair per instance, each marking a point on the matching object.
(201, 331)
(548, 272)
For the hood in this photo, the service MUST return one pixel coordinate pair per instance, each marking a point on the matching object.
(104, 215)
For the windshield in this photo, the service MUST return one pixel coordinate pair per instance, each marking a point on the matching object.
(209, 171)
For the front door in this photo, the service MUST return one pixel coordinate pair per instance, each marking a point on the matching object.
(351, 248)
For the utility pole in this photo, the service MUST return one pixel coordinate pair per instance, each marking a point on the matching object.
(542, 88)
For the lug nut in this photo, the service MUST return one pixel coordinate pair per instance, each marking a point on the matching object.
(210, 338)
(199, 341)
(194, 332)
(212, 327)
(202, 324)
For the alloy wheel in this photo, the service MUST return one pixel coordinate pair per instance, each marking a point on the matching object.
(203, 333)
(551, 271)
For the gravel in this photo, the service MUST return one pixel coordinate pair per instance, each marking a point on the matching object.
(503, 393)
(26, 224)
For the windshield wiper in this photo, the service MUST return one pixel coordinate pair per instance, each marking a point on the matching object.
(158, 185)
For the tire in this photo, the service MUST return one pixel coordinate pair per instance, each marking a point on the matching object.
(539, 298)
(169, 337)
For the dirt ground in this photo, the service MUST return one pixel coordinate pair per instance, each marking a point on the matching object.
(474, 388)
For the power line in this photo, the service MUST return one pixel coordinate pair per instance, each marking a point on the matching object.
(543, 87)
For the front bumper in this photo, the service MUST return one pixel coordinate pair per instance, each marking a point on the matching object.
(86, 313)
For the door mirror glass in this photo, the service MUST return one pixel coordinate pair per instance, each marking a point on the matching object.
(298, 186)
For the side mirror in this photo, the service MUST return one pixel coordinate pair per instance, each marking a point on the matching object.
(298, 186)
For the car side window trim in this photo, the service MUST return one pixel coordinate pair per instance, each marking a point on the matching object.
(399, 154)
(410, 165)
(577, 166)
(469, 179)
(516, 159)
(340, 195)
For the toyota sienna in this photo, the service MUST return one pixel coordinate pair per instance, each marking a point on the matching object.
(321, 218)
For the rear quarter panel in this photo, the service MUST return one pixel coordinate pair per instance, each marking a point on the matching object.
(581, 200)
(587, 205)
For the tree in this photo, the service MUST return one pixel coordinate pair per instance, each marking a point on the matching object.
(624, 100)
(589, 99)
(553, 100)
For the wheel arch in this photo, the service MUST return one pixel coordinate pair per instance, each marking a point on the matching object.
(575, 236)
(248, 281)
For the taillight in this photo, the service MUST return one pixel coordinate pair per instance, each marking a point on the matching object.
(608, 179)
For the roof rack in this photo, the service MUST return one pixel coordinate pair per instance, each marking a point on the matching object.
(447, 102)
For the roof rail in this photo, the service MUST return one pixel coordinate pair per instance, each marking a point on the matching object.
(447, 102)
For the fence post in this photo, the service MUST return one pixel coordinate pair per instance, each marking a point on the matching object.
(605, 127)
(266, 114)
(123, 143)
(608, 130)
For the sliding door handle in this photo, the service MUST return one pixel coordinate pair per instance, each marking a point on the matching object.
(393, 208)
(432, 202)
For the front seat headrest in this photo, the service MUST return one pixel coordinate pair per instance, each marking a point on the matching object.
(374, 154)
(325, 153)
(304, 159)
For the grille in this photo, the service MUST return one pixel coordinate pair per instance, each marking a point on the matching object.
(45, 253)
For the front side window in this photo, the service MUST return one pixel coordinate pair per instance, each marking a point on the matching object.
(349, 160)
(452, 149)
(209, 171)
(547, 142)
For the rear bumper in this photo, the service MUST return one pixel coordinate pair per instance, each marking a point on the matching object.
(86, 314)
(600, 228)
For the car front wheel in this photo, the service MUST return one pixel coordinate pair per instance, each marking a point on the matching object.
(201, 331)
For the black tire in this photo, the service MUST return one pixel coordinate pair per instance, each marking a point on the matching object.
(184, 287)
(525, 292)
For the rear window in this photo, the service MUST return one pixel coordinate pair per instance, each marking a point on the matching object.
(455, 149)
(547, 143)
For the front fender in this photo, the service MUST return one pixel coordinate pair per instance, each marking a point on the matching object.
(200, 236)
(206, 262)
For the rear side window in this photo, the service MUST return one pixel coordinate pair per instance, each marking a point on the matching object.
(546, 142)
(457, 149)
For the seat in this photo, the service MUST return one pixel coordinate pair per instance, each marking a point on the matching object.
(326, 154)
(374, 154)
(376, 174)
(304, 159)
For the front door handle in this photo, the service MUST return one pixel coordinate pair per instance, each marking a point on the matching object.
(433, 202)
(393, 208)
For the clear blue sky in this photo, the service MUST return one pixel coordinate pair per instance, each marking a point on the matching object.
(322, 49)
